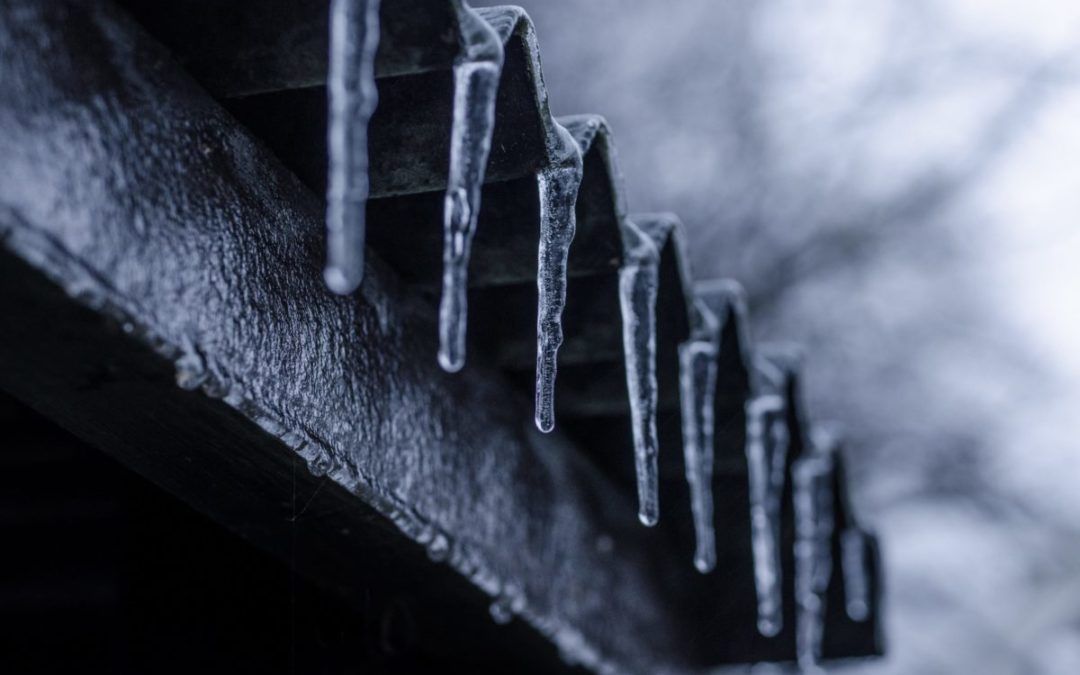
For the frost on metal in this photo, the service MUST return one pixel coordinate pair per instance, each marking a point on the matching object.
(814, 523)
(476, 83)
(354, 39)
(697, 389)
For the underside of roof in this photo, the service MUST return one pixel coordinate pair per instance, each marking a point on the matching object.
(163, 245)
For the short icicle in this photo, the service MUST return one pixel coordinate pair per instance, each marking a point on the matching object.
(476, 83)
(856, 582)
(766, 453)
(638, 284)
(697, 382)
(813, 556)
(558, 186)
(354, 39)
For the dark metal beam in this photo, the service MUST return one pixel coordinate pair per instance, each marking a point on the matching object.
(244, 48)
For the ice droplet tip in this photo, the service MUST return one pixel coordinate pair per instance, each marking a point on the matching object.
(704, 565)
(648, 518)
(545, 425)
(341, 283)
(500, 613)
(858, 611)
(449, 363)
(768, 628)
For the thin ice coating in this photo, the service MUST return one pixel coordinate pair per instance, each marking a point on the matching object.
(558, 185)
(813, 557)
(354, 38)
(476, 83)
(766, 453)
(697, 382)
(638, 284)
(856, 583)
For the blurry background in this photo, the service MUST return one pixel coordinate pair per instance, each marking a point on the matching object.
(896, 184)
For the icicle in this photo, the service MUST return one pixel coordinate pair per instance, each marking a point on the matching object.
(638, 284)
(510, 602)
(813, 555)
(856, 583)
(697, 383)
(476, 83)
(354, 38)
(766, 454)
(558, 185)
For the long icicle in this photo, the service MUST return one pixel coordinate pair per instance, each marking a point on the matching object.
(856, 581)
(558, 186)
(638, 284)
(766, 453)
(813, 555)
(697, 382)
(354, 39)
(476, 83)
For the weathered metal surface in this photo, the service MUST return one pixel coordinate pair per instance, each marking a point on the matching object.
(161, 277)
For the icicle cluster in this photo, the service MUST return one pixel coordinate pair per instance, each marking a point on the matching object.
(558, 186)
(354, 39)
(477, 71)
(697, 382)
(766, 456)
(813, 554)
(476, 83)
(638, 285)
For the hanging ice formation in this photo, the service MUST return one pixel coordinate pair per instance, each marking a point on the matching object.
(476, 83)
(354, 38)
(814, 523)
(697, 382)
(558, 185)
(856, 582)
(766, 455)
(638, 284)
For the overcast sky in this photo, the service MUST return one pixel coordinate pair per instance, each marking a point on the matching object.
(897, 184)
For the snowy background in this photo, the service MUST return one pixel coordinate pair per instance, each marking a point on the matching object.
(897, 184)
